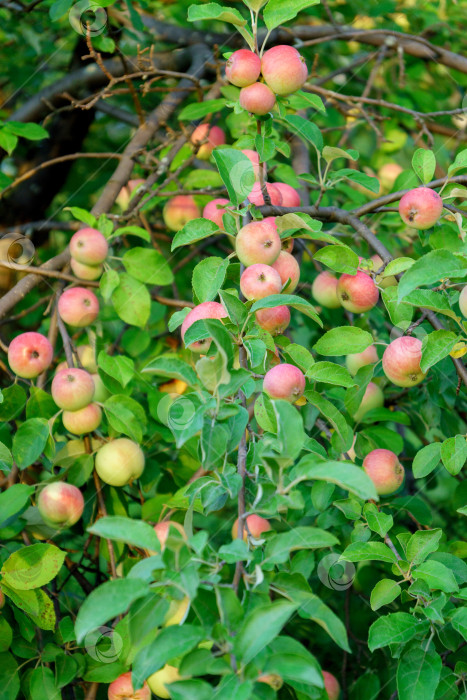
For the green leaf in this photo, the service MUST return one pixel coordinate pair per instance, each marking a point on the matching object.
(13, 403)
(305, 100)
(287, 300)
(172, 368)
(395, 628)
(35, 603)
(30, 131)
(339, 258)
(424, 164)
(344, 474)
(237, 173)
(119, 367)
(303, 127)
(330, 373)
(436, 576)
(398, 265)
(42, 684)
(29, 441)
(459, 621)
(106, 602)
(177, 318)
(278, 548)
(234, 551)
(435, 347)
(418, 673)
(260, 627)
(126, 416)
(234, 307)
(278, 12)
(377, 520)
(132, 301)
(148, 265)
(370, 183)
(384, 593)
(6, 458)
(6, 635)
(137, 231)
(399, 314)
(330, 153)
(133, 532)
(454, 453)
(343, 340)
(208, 277)
(108, 283)
(8, 141)
(13, 500)
(368, 551)
(300, 356)
(459, 163)
(82, 215)
(421, 544)
(431, 268)
(343, 437)
(193, 231)
(426, 460)
(33, 566)
(198, 110)
(428, 299)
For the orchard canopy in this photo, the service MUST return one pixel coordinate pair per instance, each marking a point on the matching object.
(233, 333)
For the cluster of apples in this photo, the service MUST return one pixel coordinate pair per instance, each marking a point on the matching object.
(88, 250)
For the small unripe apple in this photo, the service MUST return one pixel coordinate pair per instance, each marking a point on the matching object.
(101, 393)
(159, 681)
(72, 389)
(361, 359)
(331, 685)
(254, 158)
(421, 208)
(162, 531)
(257, 99)
(29, 354)
(256, 195)
(243, 68)
(324, 290)
(357, 293)
(463, 302)
(372, 398)
(388, 174)
(290, 196)
(273, 320)
(288, 268)
(78, 307)
(179, 211)
(215, 210)
(87, 357)
(285, 382)
(89, 246)
(385, 471)
(122, 689)
(376, 264)
(60, 504)
(125, 194)
(255, 526)
(401, 361)
(208, 309)
(86, 420)
(284, 69)
(257, 242)
(86, 272)
(177, 612)
(259, 281)
(214, 135)
(119, 461)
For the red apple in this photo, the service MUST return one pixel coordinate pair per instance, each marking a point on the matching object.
(273, 320)
(357, 293)
(89, 247)
(119, 461)
(331, 685)
(361, 359)
(72, 389)
(86, 272)
(421, 208)
(122, 689)
(257, 242)
(258, 99)
(290, 196)
(162, 531)
(78, 307)
(125, 194)
(401, 361)
(29, 354)
(284, 382)
(215, 210)
(259, 281)
(256, 195)
(86, 420)
(214, 135)
(372, 398)
(60, 504)
(288, 268)
(324, 290)
(243, 68)
(284, 69)
(179, 211)
(208, 309)
(385, 471)
(255, 526)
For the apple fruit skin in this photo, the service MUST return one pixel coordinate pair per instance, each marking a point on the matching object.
(290, 196)
(286, 243)
(72, 389)
(101, 393)
(324, 290)
(243, 68)
(360, 359)
(159, 680)
(401, 361)
(215, 210)
(208, 309)
(257, 99)
(86, 272)
(285, 382)
(331, 685)
(179, 210)
(420, 208)
(288, 268)
(122, 689)
(385, 471)
(78, 307)
(119, 461)
(60, 504)
(87, 357)
(254, 158)
(256, 196)
(463, 302)
(259, 281)
(177, 612)
(257, 242)
(372, 398)
(384, 282)
(162, 531)
(274, 320)
(88, 246)
(215, 136)
(84, 421)
(388, 174)
(256, 527)
(284, 69)
(357, 293)
(29, 354)
(124, 196)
